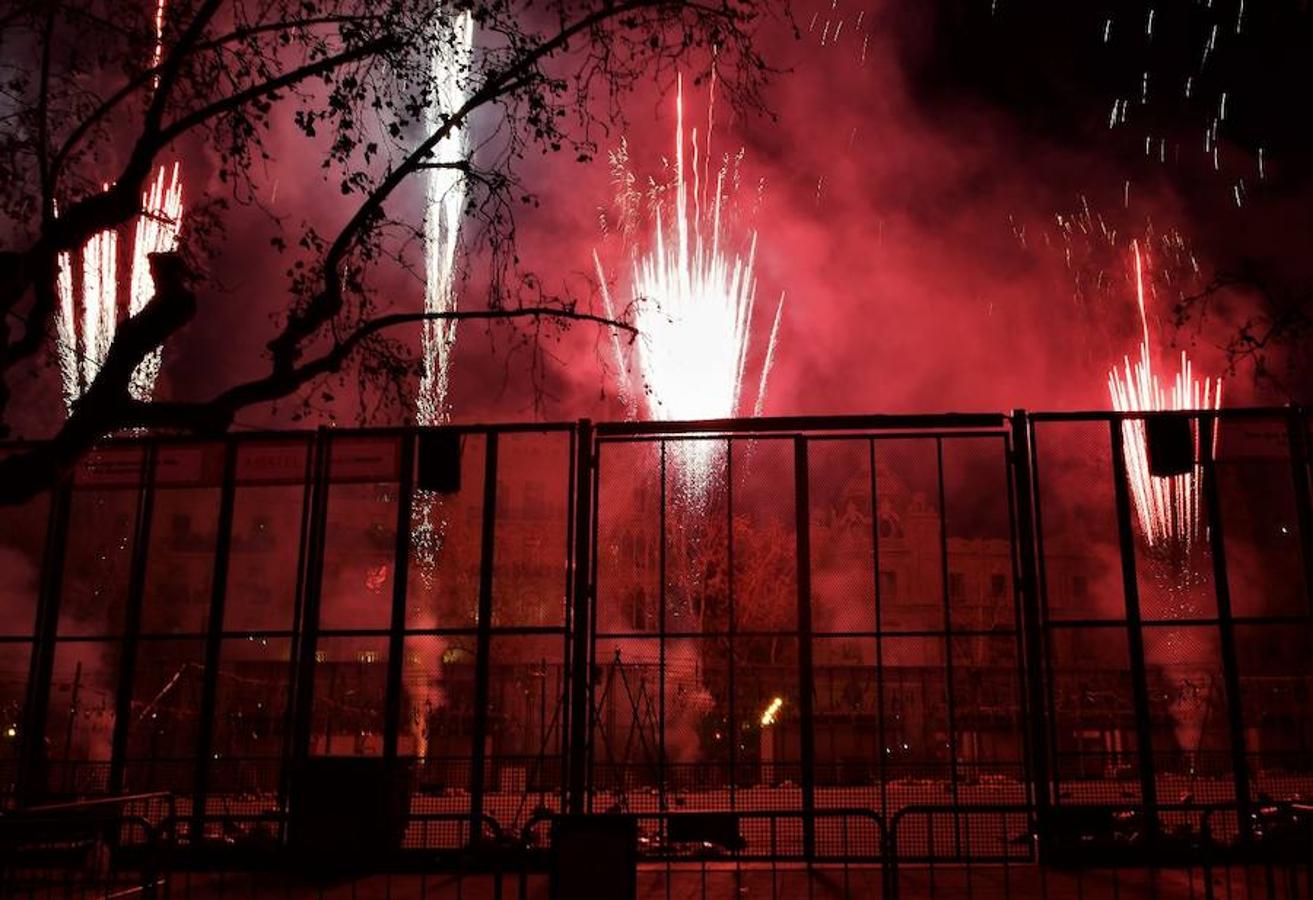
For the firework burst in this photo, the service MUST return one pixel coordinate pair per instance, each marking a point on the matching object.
(693, 299)
(1167, 508)
(85, 330)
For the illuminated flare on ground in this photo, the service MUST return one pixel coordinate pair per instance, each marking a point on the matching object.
(1167, 507)
(693, 299)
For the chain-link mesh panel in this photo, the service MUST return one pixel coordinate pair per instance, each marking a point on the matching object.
(526, 706)
(446, 531)
(1260, 521)
(843, 535)
(80, 718)
(531, 551)
(164, 714)
(349, 692)
(978, 528)
(1092, 716)
(1276, 695)
(628, 538)
(1077, 519)
(1188, 708)
(911, 536)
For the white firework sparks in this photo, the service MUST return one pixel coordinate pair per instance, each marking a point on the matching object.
(84, 331)
(99, 307)
(1167, 508)
(693, 301)
(156, 232)
(83, 341)
(444, 202)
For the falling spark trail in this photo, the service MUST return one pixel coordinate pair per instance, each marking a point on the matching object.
(769, 362)
(1167, 508)
(444, 202)
(99, 276)
(66, 331)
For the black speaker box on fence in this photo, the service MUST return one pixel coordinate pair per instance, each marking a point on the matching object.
(594, 856)
(439, 462)
(348, 811)
(1170, 443)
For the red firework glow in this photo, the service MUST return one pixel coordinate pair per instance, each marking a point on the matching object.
(1167, 507)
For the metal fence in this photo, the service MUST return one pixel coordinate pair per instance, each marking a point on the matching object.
(810, 625)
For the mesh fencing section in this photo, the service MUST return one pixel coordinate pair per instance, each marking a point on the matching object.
(1221, 691)
(695, 702)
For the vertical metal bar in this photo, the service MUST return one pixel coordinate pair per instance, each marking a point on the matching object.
(802, 524)
(1225, 624)
(949, 692)
(132, 627)
(290, 746)
(303, 712)
(1025, 514)
(579, 623)
(661, 640)
(591, 630)
(882, 746)
(732, 729)
(1297, 440)
(1134, 632)
(1045, 632)
(400, 574)
(32, 759)
(482, 662)
(213, 638)
(565, 724)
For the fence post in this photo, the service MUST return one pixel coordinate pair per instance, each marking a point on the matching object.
(1134, 633)
(213, 639)
(32, 758)
(132, 626)
(1226, 627)
(1032, 621)
(802, 524)
(311, 576)
(483, 639)
(400, 578)
(580, 618)
(1297, 440)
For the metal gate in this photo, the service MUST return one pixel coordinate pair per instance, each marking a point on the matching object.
(815, 619)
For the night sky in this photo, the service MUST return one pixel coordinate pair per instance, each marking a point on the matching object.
(945, 192)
